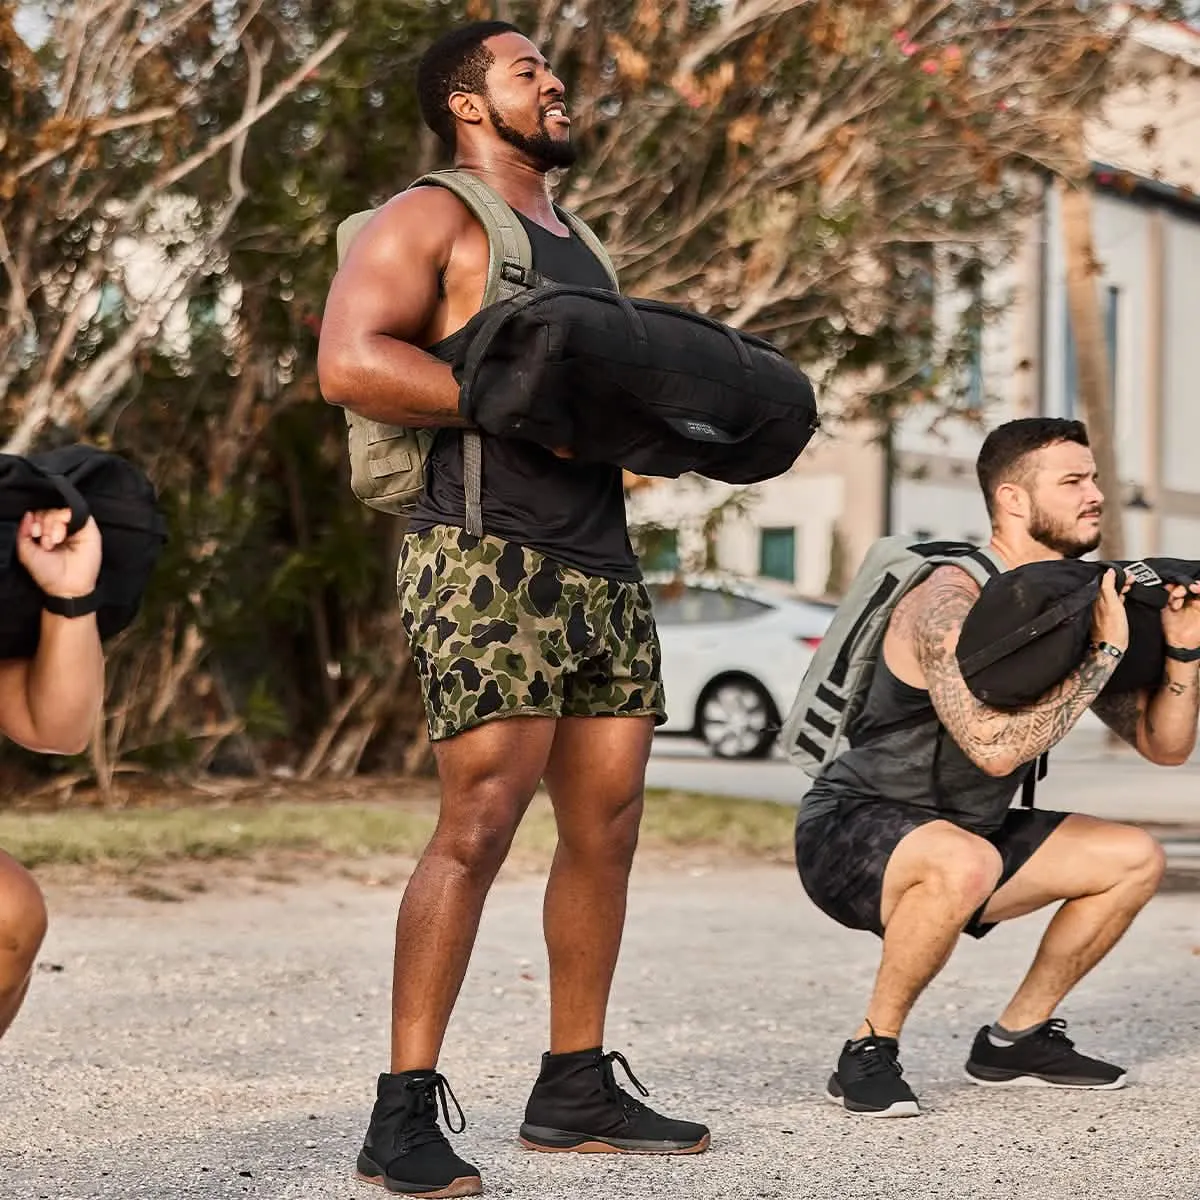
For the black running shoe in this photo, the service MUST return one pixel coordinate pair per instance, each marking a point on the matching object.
(577, 1105)
(1044, 1058)
(405, 1150)
(869, 1080)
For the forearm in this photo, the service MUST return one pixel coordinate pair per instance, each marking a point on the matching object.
(389, 381)
(64, 684)
(1168, 732)
(999, 741)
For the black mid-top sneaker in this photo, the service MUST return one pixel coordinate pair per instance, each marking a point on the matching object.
(405, 1150)
(1044, 1058)
(576, 1105)
(869, 1080)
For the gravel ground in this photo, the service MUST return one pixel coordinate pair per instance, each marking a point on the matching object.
(227, 1045)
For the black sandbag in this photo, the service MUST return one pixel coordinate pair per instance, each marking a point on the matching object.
(1031, 627)
(91, 482)
(640, 384)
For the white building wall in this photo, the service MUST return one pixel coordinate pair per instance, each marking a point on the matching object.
(1181, 358)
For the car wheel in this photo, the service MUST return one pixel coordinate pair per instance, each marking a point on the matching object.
(736, 719)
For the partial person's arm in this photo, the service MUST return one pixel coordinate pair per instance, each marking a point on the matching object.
(1161, 725)
(49, 703)
(999, 741)
(381, 302)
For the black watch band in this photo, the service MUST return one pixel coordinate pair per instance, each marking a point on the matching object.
(72, 606)
(1179, 654)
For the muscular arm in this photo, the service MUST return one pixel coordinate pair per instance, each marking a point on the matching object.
(996, 740)
(1160, 725)
(49, 703)
(380, 308)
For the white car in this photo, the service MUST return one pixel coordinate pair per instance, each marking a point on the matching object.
(733, 654)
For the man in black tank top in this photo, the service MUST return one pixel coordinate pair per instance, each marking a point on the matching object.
(543, 621)
(909, 833)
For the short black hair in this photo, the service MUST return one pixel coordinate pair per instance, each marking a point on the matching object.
(456, 62)
(1004, 449)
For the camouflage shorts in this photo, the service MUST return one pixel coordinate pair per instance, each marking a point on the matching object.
(499, 630)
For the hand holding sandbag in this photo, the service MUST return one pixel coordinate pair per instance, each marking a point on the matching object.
(61, 563)
(1181, 616)
(1110, 621)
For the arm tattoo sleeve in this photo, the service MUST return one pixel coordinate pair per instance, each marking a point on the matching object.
(997, 740)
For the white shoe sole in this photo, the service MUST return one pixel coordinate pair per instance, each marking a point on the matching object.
(1035, 1081)
(902, 1108)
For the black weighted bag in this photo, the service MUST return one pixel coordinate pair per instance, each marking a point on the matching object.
(88, 482)
(1031, 626)
(637, 383)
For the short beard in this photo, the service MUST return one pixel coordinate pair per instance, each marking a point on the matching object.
(544, 152)
(1054, 537)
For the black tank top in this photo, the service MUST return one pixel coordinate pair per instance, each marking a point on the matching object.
(900, 752)
(572, 512)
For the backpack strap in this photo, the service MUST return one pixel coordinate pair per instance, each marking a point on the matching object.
(510, 256)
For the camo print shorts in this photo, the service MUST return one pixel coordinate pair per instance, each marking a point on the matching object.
(499, 630)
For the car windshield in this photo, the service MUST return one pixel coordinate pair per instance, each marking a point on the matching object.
(676, 604)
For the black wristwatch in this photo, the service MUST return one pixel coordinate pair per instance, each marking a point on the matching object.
(72, 606)
(1109, 649)
(1179, 654)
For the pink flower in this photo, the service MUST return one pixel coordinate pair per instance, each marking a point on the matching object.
(929, 67)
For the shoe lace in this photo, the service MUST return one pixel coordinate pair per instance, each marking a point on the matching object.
(878, 1058)
(419, 1118)
(608, 1076)
(1055, 1029)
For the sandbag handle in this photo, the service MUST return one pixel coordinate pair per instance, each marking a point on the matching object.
(739, 346)
(72, 499)
(637, 326)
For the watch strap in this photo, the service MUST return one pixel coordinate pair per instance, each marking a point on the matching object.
(1109, 649)
(72, 606)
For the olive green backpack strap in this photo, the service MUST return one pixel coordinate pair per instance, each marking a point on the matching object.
(583, 232)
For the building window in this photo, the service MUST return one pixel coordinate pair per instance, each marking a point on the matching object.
(659, 549)
(777, 554)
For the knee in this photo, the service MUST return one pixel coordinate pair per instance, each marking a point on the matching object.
(23, 920)
(1142, 858)
(478, 837)
(968, 876)
(608, 831)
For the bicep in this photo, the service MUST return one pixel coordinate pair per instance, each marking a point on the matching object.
(935, 641)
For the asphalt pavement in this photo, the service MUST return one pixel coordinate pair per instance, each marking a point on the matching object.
(227, 1045)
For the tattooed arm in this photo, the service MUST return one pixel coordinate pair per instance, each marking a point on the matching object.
(996, 740)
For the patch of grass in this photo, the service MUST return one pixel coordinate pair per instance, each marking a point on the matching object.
(140, 837)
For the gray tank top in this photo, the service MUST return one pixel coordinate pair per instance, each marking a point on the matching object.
(900, 752)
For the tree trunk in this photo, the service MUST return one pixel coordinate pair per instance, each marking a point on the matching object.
(1091, 356)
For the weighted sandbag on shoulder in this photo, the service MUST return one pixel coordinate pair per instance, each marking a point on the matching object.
(91, 482)
(1031, 627)
(641, 384)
